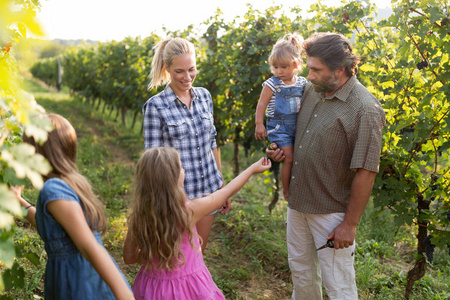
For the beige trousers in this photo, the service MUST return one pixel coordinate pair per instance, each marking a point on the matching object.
(306, 233)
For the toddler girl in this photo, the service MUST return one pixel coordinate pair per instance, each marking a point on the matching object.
(162, 235)
(282, 96)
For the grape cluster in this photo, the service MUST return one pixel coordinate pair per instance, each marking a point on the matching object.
(429, 248)
(422, 65)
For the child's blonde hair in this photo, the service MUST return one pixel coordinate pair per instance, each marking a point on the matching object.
(159, 216)
(165, 52)
(287, 50)
(60, 150)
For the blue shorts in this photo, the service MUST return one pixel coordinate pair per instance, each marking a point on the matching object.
(281, 131)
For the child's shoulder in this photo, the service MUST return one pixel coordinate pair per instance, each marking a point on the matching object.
(56, 188)
(301, 81)
(271, 82)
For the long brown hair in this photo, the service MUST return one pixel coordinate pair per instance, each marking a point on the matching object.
(159, 216)
(60, 150)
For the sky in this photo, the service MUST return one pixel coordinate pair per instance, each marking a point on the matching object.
(105, 20)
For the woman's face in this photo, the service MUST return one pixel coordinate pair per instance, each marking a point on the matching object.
(182, 72)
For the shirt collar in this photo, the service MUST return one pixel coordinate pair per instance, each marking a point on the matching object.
(344, 91)
(170, 94)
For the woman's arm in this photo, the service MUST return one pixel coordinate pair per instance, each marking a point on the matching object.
(130, 253)
(204, 206)
(227, 204)
(31, 210)
(153, 131)
(70, 216)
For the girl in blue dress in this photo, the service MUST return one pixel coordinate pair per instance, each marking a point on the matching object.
(69, 218)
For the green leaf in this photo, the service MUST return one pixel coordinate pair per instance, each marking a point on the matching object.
(14, 277)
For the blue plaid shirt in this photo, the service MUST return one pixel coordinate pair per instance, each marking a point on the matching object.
(168, 122)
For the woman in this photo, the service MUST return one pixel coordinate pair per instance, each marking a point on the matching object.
(181, 116)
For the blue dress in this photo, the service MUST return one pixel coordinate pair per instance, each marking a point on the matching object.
(68, 274)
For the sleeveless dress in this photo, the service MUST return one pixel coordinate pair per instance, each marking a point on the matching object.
(68, 274)
(192, 281)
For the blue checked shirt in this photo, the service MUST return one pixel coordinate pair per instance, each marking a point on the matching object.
(168, 122)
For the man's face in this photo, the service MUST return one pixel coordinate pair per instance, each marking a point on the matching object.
(323, 79)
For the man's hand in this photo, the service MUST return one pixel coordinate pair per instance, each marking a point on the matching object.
(275, 153)
(344, 235)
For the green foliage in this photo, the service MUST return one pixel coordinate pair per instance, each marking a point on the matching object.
(405, 64)
(18, 113)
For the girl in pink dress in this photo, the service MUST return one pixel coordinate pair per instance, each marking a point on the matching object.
(162, 236)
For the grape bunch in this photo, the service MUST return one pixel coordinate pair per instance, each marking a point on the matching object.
(422, 65)
(429, 248)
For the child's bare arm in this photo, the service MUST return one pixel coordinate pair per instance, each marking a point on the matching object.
(204, 206)
(31, 210)
(130, 252)
(71, 217)
(260, 129)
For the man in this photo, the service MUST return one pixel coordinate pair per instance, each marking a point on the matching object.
(336, 158)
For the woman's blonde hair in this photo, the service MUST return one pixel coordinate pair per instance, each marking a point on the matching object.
(287, 50)
(60, 150)
(165, 52)
(159, 216)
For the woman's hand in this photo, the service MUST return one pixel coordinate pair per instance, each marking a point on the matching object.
(226, 207)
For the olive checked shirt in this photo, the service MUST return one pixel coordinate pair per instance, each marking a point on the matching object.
(169, 122)
(335, 136)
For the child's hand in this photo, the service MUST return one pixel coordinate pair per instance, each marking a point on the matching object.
(17, 190)
(260, 132)
(261, 165)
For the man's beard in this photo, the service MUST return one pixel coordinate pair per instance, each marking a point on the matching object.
(326, 86)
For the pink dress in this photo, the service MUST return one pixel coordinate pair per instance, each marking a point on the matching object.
(191, 281)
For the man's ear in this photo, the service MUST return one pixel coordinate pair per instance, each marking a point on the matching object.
(340, 72)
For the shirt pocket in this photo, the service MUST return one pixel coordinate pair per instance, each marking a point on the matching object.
(177, 129)
(207, 121)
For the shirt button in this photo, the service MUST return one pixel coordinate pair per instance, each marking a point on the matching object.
(198, 148)
(200, 161)
(203, 176)
(315, 115)
(192, 119)
(293, 177)
(196, 134)
(300, 147)
(296, 162)
(307, 131)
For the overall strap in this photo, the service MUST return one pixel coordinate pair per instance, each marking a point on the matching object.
(276, 81)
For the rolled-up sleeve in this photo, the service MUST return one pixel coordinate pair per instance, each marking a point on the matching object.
(366, 153)
(153, 132)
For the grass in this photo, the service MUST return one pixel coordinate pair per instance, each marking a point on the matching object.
(247, 253)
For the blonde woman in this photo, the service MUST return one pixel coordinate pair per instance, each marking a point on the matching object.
(181, 116)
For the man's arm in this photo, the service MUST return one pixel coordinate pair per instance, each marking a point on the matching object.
(344, 234)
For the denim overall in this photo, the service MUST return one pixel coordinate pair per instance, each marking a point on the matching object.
(281, 127)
